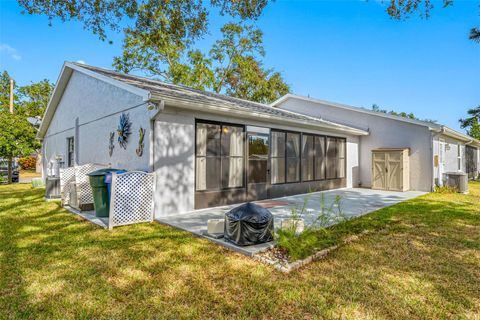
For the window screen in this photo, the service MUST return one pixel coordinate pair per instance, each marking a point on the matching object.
(219, 156)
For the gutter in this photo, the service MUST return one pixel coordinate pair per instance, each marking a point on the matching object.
(313, 123)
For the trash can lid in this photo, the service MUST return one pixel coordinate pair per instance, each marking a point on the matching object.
(102, 172)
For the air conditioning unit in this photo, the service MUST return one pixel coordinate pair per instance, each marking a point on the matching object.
(52, 188)
(73, 197)
(457, 180)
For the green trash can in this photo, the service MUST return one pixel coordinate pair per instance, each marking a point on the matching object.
(101, 198)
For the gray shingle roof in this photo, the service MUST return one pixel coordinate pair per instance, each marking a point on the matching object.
(162, 90)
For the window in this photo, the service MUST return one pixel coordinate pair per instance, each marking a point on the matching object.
(293, 157)
(70, 151)
(335, 158)
(219, 156)
(319, 158)
(330, 161)
(278, 157)
(308, 155)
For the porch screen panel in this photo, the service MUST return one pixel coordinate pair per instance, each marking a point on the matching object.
(219, 156)
(278, 157)
(232, 156)
(293, 157)
(307, 157)
(341, 158)
(319, 158)
(208, 156)
(331, 158)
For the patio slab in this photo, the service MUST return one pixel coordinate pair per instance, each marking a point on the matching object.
(354, 202)
(90, 216)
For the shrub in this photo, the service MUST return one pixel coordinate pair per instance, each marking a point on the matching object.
(316, 234)
(445, 189)
(27, 163)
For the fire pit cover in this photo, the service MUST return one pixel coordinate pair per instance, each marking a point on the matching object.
(248, 224)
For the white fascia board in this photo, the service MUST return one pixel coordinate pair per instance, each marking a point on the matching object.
(60, 85)
(449, 132)
(62, 81)
(355, 109)
(315, 124)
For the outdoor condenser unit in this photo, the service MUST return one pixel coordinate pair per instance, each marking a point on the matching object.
(52, 188)
(457, 180)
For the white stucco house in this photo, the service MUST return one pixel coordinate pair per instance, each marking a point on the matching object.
(208, 149)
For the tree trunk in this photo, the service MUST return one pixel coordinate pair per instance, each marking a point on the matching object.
(10, 169)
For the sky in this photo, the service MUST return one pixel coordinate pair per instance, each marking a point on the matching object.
(343, 51)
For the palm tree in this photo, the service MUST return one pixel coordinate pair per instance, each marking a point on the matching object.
(472, 122)
(475, 34)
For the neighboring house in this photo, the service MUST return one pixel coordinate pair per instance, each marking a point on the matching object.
(209, 149)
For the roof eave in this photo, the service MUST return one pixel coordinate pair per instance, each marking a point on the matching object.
(446, 131)
(218, 109)
(430, 125)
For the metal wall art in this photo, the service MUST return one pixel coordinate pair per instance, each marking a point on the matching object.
(111, 145)
(141, 134)
(124, 130)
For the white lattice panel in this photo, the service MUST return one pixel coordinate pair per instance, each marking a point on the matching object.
(67, 181)
(132, 198)
(84, 191)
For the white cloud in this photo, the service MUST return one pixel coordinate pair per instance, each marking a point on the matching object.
(12, 52)
(81, 61)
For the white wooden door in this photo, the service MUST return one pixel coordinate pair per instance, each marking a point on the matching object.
(379, 178)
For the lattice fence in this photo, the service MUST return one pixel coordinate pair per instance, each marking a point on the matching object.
(67, 182)
(132, 198)
(82, 183)
(75, 179)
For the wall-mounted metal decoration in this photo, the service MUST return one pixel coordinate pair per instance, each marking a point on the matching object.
(111, 145)
(124, 130)
(141, 134)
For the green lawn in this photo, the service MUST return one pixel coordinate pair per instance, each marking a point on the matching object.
(422, 260)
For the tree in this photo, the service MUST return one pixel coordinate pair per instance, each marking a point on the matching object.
(34, 98)
(101, 16)
(475, 35)
(5, 91)
(472, 122)
(17, 137)
(410, 115)
(232, 66)
(402, 9)
(17, 134)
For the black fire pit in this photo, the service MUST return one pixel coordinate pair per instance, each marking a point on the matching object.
(248, 224)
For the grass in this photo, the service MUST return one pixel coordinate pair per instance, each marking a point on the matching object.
(422, 260)
(29, 174)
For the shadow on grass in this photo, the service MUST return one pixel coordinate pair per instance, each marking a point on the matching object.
(421, 261)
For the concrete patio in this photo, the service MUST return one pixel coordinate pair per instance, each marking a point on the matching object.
(354, 202)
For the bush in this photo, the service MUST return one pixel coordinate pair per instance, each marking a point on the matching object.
(445, 189)
(316, 235)
(27, 163)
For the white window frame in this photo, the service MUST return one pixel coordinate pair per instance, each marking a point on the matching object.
(459, 157)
